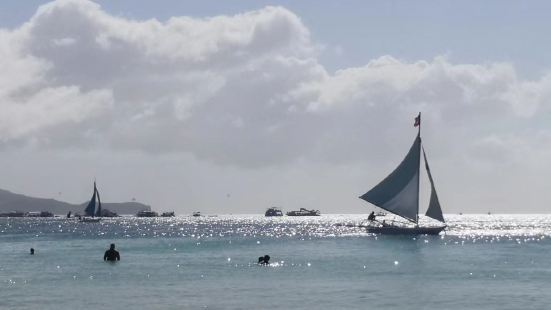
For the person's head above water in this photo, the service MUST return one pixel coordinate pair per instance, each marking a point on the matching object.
(32, 251)
(112, 246)
(266, 259)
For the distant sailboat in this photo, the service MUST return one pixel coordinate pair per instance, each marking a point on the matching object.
(398, 193)
(92, 210)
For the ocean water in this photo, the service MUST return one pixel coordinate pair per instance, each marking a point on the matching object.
(481, 262)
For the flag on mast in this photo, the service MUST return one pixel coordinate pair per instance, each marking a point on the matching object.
(417, 120)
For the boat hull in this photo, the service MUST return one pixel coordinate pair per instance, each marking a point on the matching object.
(89, 220)
(396, 230)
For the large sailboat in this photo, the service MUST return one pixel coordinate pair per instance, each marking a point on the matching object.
(92, 213)
(398, 193)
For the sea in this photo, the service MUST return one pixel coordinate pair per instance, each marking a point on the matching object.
(329, 262)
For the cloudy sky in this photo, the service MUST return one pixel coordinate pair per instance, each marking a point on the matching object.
(232, 107)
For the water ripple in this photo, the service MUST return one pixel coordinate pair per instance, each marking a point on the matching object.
(487, 228)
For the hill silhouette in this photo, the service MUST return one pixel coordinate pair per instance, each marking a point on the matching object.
(16, 202)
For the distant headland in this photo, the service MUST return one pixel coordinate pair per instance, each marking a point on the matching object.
(16, 202)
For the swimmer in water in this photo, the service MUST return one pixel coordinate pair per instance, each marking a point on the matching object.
(264, 260)
(111, 255)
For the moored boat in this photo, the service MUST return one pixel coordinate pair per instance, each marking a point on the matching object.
(168, 214)
(12, 214)
(147, 213)
(273, 211)
(398, 193)
(196, 214)
(304, 212)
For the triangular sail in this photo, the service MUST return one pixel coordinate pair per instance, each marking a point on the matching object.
(434, 211)
(89, 211)
(98, 210)
(399, 192)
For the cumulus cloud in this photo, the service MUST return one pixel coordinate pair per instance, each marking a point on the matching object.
(243, 90)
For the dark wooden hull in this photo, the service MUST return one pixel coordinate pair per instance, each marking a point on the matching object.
(396, 230)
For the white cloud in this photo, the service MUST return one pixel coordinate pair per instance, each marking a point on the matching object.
(247, 90)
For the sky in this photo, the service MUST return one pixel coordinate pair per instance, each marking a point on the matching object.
(236, 106)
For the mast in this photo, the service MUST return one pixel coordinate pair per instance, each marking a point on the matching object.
(418, 121)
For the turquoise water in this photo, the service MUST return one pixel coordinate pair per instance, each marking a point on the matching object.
(482, 262)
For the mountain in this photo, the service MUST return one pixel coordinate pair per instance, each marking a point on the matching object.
(16, 202)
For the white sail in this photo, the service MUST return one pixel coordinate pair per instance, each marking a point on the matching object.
(434, 211)
(399, 192)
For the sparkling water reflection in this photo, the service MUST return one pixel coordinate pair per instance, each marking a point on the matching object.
(327, 262)
(496, 227)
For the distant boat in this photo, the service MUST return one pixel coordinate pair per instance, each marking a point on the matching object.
(196, 214)
(304, 212)
(380, 213)
(39, 214)
(13, 214)
(273, 211)
(89, 219)
(398, 193)
(168, 214)
(147, 213)
(92, 210)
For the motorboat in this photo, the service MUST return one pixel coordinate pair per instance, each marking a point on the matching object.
(147, 213)
(304, 212)
(273, 211)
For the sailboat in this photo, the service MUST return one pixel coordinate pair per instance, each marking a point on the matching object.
(92, 213)
(398, 193)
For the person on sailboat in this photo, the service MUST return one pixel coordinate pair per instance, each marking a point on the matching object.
(111, 255)
(371, 216)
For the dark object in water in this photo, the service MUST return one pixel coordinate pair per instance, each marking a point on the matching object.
(46, 214)
(273, 211)
(111, 255)
(32, 251)
(168, 214)
(264, 260)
